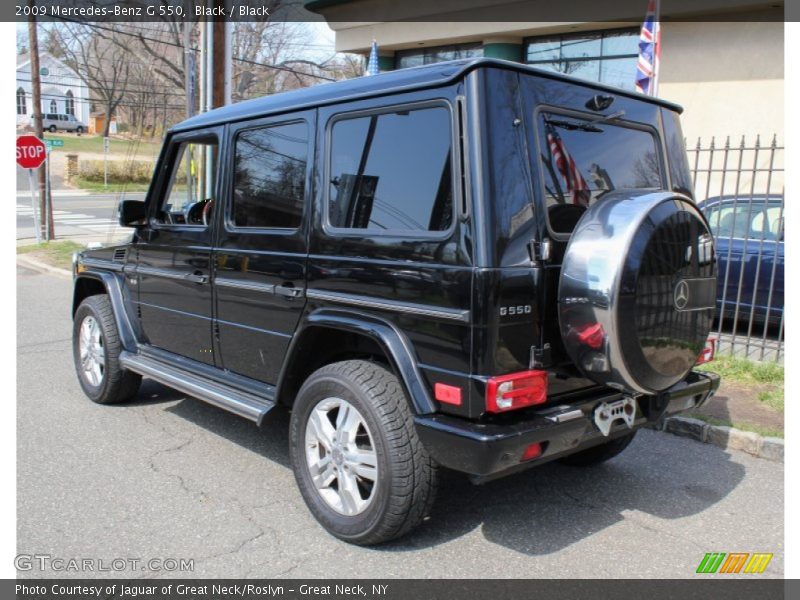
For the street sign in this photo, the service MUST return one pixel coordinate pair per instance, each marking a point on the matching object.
(31, 152)
(54, 144)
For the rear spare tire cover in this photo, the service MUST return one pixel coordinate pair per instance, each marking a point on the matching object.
(637, 290)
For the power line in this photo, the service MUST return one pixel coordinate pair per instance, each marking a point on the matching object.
(174, 44)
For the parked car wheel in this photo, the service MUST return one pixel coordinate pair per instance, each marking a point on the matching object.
(79, 130)
(358, 462)
(96, 348)
(52, 129)
(599, 454)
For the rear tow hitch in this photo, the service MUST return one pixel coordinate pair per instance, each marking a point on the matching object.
(608, 412)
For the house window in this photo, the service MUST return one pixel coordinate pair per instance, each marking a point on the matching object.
(22, 104)
(53, 106)
(426, 56)
(604, 56)
(69, 103)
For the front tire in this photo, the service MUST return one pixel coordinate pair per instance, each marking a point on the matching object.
(96, 348)
(599, 454)
(358, 462)
(79, 130)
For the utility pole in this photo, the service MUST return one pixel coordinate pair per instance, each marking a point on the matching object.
(221, 50)
(45, 205)
(188, 62)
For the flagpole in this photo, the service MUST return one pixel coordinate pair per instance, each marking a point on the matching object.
(657, 48)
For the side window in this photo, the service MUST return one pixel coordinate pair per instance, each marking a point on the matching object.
(392, 171)
(269, 167)
(189, 199)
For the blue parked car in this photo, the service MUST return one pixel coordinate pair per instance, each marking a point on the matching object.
(748, 233)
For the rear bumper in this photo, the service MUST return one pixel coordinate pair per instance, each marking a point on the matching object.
(488, 450)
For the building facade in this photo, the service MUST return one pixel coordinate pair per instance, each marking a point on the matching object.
(63, 92)
(726, 70)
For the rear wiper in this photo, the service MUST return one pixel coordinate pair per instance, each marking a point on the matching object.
(589, 125)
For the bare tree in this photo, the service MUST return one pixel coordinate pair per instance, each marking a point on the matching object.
(102, 66)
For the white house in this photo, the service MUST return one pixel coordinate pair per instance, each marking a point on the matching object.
(62, 90)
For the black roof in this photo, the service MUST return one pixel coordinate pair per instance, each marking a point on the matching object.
(389, 82)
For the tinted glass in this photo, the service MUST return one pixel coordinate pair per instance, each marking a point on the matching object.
(608, 56)
(269, 176)
(425, 56)
(580, 167)
(190, 196)
(391, 172)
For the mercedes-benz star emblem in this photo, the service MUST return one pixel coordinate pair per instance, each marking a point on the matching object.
(681, 295)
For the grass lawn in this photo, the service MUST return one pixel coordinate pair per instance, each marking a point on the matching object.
(752, 374)
(74, 143)
(57, 254)
(94, 186)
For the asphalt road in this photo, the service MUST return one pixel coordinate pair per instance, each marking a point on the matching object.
(171, 477)
(77, 216)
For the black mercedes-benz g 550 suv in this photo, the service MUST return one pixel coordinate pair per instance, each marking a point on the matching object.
(473, 265)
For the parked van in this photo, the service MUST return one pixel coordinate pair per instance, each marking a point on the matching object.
(474, 265)
(53, 122)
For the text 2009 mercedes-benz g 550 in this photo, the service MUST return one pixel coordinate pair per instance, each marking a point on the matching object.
(474, 265)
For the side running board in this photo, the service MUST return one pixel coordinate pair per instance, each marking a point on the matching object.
(239, 402)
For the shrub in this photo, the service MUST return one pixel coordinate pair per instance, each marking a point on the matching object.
(119, 171)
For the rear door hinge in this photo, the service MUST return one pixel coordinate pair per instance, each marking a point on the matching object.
(539, 251)
(540, 357)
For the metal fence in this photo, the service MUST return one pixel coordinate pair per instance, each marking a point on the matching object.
(740, 187)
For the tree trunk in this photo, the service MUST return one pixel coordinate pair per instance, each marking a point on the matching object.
(107, 120)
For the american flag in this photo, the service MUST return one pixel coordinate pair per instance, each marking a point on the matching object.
(649, 52)
(576, 184)
(372, 64)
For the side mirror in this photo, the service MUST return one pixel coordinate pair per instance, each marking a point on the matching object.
(132, 213)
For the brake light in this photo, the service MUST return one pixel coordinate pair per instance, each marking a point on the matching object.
(591, 335)
(517, 390)
(709, 350)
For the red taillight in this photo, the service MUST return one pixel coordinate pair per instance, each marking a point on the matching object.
(531, 452)
(517, 390)
(591, 335)
(449, 394)
(707, 355)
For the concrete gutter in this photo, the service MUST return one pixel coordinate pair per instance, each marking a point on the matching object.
(728, 438)
(42, 267)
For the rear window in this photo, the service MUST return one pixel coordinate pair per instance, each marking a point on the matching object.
(743, 218)
(582, 162)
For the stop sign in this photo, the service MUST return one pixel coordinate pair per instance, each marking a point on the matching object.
(31, 152)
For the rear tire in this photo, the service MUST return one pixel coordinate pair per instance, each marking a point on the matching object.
(96, 348)
(371, 504)
(599, 454)
(52, 129)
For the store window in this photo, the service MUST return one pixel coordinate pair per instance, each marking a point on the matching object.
(426, 56)
(608, 57)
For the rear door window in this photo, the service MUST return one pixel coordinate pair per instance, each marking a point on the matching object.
(581, 162)
(269, 176)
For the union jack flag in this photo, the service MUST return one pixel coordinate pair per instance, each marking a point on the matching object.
(372, 64)
(576, 184)
(649, 52)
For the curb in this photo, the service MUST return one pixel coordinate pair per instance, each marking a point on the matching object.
(727, 438)
(37, 265)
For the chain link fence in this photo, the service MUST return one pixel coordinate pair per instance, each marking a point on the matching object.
(739, 185)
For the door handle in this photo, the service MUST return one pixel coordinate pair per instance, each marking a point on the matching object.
(196, 277)
(288, 290)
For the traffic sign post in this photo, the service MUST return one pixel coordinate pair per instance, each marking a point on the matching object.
(31, 153)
